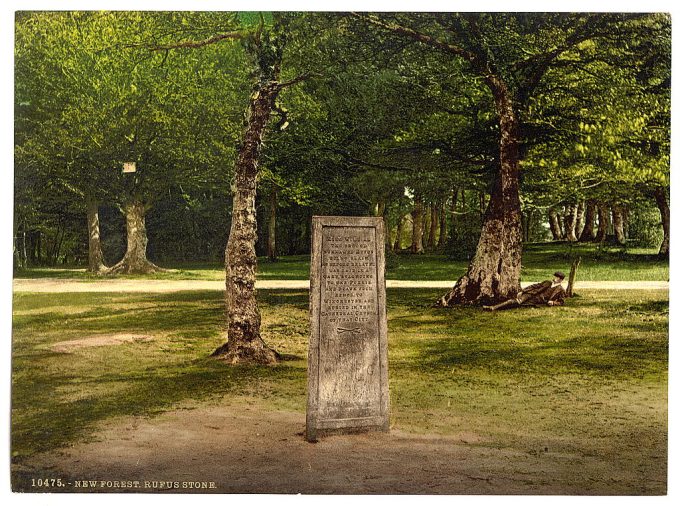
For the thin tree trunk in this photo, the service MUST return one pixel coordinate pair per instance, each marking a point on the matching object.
(494, 272)
(572, 277)
(526, 226)
(135, 261)
(94, 245)
(588, 232)
(454, 204)
(244, 343)
(58, 241)
(23, 245)
(39, 248)
(578, 228)
(570, 222)
(617, 220)
(602, 222)
(441, 243)
(434, 224)
(665, 210)
(400, 229)
(418, 215)
(426, 226)
(271, 226)
(554, 221)
(380, 208)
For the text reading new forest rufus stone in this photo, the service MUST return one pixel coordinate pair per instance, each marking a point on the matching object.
(349, 355)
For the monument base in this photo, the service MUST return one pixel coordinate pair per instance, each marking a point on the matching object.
(313, 435)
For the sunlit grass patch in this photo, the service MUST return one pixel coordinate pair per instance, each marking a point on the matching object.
(539, 261)
(585, 377)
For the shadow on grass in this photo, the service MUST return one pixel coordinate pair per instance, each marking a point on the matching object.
(59, 397)
(151, 392)
(588, 337)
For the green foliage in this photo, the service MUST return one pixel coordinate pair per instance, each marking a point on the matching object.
(644, 227)
(377, 120)
(463, 238)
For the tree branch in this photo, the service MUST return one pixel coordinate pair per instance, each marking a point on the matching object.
(194, 44)
(418, 36)
(347, 156)
(300, 78)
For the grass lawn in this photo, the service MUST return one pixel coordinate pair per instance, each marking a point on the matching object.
(590, 377)
(539, 262)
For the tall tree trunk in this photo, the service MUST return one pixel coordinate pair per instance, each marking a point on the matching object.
(494, 272)
(418, 215)
(454, 204)
(94, 245)
(23, 246)
(426, 226)
(579, 218)
(570, 222)
(554, 221)
(617, 220)
(397, 239)
(588, 232)
(271, 226)
(380, 208)
(434, 224)
(39, 248)
(441, 242)
(602, 222)
(526, 226)
(665, 210)
(58, 241)
(135, 261)
(244, 343)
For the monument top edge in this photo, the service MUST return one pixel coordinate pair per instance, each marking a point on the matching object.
(347, 220)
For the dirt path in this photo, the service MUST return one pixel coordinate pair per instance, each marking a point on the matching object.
(242, 448)
(164, 286)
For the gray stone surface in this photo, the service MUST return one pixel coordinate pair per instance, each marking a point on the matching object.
(347, 387)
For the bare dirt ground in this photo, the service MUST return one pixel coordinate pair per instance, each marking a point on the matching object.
(163, 286)
(98, 340)
(241, 448)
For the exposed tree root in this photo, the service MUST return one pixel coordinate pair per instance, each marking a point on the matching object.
(252, 352)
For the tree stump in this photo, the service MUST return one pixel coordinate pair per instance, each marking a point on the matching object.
(572, 277)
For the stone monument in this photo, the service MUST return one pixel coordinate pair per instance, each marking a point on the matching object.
(347, 387)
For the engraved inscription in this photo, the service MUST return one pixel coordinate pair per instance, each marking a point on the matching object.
(349, 364)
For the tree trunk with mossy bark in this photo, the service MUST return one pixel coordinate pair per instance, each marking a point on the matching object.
(665, 210)
(135, 261)
(603, 222)
(418, 215)
(441, 241)
(580, 210)
(397, 238)
(588, 232)
(494, 273)
(571, 213)
(617, 220)
(555, 227)
(244, 342)
(94, 244)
